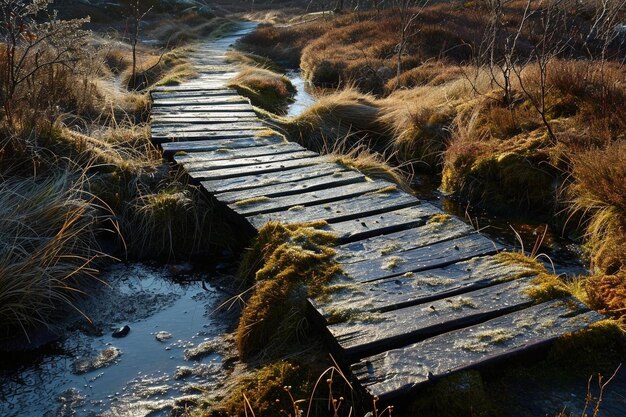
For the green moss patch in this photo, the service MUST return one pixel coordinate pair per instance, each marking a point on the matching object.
(286, 264)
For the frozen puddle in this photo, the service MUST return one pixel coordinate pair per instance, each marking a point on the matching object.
(173, 352)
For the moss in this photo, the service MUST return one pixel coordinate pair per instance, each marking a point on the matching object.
(545, 286)
(383, 191)
(265, 389)
(461, 394)
(439, 218)
(392, 262)
(287, 264)
(601, 345)
(252, 201)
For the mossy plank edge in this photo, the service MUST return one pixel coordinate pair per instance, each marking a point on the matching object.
(170, 148)
(422, 287)
(229, 154)
(423, 234)
(383, 223)
(215, 127)
(169, 110)
(241, 162)
(419, 259)
(192, 136)
(325, 196)
(167, 123)
(295, 187)
(341, 211)
(400, 371)
(255, 169)
(251, 181)
(364, 334)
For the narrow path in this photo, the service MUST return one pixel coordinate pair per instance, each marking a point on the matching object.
(421, 295)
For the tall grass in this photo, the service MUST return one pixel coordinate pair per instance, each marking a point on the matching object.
(48, 231)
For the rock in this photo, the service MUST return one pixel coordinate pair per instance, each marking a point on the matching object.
(162, 336)
(121, 332)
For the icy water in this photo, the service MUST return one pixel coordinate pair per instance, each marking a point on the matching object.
(303, 98)
(137, 375)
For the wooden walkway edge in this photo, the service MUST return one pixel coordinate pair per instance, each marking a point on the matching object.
(421, 295)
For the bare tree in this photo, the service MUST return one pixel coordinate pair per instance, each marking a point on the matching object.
(137, 16)
(408, 12)
(34, 40)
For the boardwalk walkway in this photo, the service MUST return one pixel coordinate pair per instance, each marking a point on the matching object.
(422, 294)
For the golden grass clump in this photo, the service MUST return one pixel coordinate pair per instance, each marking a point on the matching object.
(607, 293)
(598, 194)
(335, 117)
(289, 263)
(48, 247)
(265, 88)
(546, 286)
(371, 164)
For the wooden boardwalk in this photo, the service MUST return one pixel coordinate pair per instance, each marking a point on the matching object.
(422, 294)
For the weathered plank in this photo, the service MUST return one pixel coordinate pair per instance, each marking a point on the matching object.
(224, 153)
(340, 211)
(334, 179)
(213, 145)
(167, 94)
(194, 166)
(255, 169)
(201, 136)
(378, 224)
(364, 333)
(187, 122)
(188, 87)
(433, 230)
(312, 198)
(272, 178)
(199, 101)
(170, 129)
(230, 108)
(414, 260)
(421, 287)
(400, 371)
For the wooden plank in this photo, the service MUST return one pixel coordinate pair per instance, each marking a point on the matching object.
(340, 211)
(182, 116)
(255, 169)
(421, 287)
(195, 93)
(378, 224)
(224, 153)
(400, 371)
(273, 178)
(198, 101)
(427, 233)
(414, 260)
(202, 136)
(188, 87)
(312, 198)
(365, 334)
(172, 129)
(213, 145)
(165, 110)
(334, 179)
(194, 166)
(190, 121)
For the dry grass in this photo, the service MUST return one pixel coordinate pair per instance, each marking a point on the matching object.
(598, 195)
(265, 88)
(48, 243)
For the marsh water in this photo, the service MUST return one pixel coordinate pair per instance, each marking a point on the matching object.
(151, 371)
